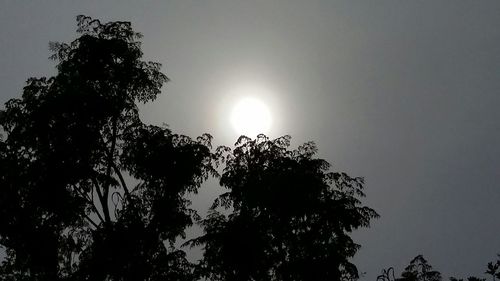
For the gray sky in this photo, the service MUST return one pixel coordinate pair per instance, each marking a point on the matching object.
(404, 93)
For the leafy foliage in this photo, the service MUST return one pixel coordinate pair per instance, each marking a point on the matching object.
(70, 143)
(494, 269)
(420, 270)
(290, 218)
(89, 192)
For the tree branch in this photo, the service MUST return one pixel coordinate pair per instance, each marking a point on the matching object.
(103, 200)
(122, 180)
(91, 221)
(110, 163)
(90, 201)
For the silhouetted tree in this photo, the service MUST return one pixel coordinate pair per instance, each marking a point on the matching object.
(289, 217)
(493, 269)
(420, 270)
(87, 191)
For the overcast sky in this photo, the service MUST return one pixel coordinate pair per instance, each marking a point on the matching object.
(404, 93)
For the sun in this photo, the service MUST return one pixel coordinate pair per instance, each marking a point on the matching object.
(250, 117)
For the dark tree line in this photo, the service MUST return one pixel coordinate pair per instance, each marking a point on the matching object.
(89, 192)
(420, 270)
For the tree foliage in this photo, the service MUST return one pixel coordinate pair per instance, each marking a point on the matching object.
(290, 217)
(420, 270)
(493, 269)
(70, 144)
(89, 192)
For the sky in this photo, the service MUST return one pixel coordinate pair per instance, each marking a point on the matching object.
(403, 93)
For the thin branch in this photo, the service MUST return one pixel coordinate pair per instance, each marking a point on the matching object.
(91, 221)
(94, 206)
(96, 184)
(112, 164)
(122, 180)
(81, 193)
(90, 201)
(106, 187)
(103, 201)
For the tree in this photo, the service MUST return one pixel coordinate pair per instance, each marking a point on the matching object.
(89, 192)
(420, 270)
(289, 217)
(68, 210)
(493, 269)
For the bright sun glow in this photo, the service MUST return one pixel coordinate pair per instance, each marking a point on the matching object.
(251, 117)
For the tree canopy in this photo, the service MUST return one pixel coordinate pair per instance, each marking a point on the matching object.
(420, 270)
(69, 145)
(290, 217)
(89, 192)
